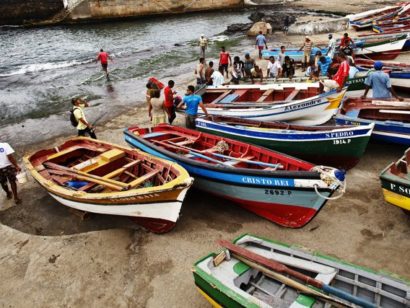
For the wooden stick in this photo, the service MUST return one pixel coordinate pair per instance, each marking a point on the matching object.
(81, 173)
(89, 179)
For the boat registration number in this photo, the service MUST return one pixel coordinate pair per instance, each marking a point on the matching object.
(278, 192)
(341, 141)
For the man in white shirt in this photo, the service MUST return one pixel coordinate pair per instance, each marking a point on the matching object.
(331, 46)
(83, 126)
(274, 68)
(8, 171)
(218, 77)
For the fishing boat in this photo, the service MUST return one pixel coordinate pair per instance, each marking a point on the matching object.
(103, 178)
(280, 188)
(299, 103)
(336, 146)
(257, 272)
(294, 53)
(391, 118)
(382, 50)
(395, 181)
(365, 20)
(364, 38)
(399, 72)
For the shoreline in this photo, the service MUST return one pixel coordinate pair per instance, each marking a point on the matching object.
(51, 257)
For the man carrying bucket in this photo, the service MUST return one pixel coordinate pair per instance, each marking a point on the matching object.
(8, 171)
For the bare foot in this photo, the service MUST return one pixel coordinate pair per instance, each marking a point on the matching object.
(17, 200)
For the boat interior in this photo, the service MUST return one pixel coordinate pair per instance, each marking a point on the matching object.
(378, 110)
(94, 168)
(401, 168)
(207, 148)
(221, 96)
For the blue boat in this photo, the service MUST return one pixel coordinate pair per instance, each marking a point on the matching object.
(280, 188)
(391, 118)
(293, 53)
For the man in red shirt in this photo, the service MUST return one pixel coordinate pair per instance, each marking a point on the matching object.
(169, 101)
(103, 58)
(225, 60)
(347, 44)
(339, 79)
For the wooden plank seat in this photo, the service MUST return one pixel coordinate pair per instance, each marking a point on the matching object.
(264, 96)
(100, 160)
(72, 149)
(121, 170)
(229, 98)
(240, 92)
(237, 161)
(153, 135)
(292, 95)
(225, 93)
(143, 178)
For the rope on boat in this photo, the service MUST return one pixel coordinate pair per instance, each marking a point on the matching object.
(333, 178)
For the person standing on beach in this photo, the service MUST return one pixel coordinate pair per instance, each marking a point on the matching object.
(103, 57)
(203, 45)
(238, 70)
(331, 46)
(286, 24)
(208, 73)
(260, 43)
(169, 98)
(225, 60)
(281, 55)
(83, 127)
(200, 72)
(192, 101)
(156, 108)
(380, 82)
(307, 50)
(8, 171)
(248, 65)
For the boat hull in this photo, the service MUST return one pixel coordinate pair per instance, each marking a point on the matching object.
(384, 131)
(340, 149)
(312, 111)
(396, 190)
(280, 200)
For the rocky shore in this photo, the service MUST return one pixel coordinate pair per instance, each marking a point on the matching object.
(51, 257)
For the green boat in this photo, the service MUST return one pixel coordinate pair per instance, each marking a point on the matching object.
(336, 146)
(395, 181)
(233, 283)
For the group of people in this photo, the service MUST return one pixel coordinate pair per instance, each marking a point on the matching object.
(163, 103)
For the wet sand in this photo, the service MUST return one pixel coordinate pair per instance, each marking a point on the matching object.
(52, 257)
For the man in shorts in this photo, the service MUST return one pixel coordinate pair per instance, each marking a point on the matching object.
(8, 171)
(307, 50)
(169, 101)
(342, 75)
(192, 101)
(103, 57)
(260, 43)
(225, 60)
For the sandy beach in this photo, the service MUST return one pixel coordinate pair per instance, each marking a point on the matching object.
(52, 257)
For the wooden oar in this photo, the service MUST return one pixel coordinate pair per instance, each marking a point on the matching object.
(84, 174)
(281, 268)
(292, 283)
(252, 162)
(86, 178)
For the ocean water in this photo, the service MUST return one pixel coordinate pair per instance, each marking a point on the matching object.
(41, 69)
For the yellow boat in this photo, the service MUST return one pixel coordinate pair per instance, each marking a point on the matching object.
(100, 177)
(395, 181)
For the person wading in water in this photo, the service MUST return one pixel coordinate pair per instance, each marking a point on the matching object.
(103, 57)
